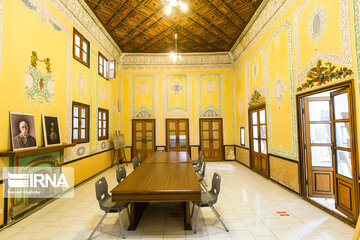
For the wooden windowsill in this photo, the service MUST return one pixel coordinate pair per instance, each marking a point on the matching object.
(33, 151)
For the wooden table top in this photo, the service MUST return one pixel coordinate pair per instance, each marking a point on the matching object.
(168, 157)
(159, 179)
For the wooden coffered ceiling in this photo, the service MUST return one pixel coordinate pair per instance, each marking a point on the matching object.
(141, 26)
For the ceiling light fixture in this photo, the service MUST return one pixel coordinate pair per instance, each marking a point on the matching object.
(174, 55)
(175, 3)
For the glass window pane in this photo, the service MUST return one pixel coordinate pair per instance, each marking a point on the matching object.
(76, 112)
(172, 137)
(216, 144)
(100, 115)
(343, 162)
(84, 57)
(76, 123)
(149, 145)
(85, 47)
(182, 126)
(205, 135)
(77, 40)
(320, 133)
(105, 68)
(342, 134)
(104, 124)
(148, 126)
(205, 125)
(104, 116)
(83, 112)
(104, 132)
(99, 132)
(100, 60)
(321, 156)
(99, 124)
(75, 134)
(319, 111)
(182, 137)
(83, 133)
(172, 144)
(262, 117)
(215, 125)
(256, 145)
(341, 107)
(254, 117)
(77, 51)
(100, 70)
(255, 132)
(262, 131)
(206, 144)
(182, 144)
(263, 146)
(216, 135)
(83, 123)
(138, 126)
(242, 136)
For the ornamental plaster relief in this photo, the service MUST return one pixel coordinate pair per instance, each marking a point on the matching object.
(344, 59)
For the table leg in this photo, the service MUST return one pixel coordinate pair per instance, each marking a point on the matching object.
(136, 211)
(187, 218)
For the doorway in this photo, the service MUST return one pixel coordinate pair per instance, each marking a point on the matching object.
(258, 141)
(211, 138)
(329, 169)
(177, 135)
(143, 137)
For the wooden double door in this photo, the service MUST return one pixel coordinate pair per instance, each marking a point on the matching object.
(177, 135)
(211, 141)
(329, 138)
(258, 141)
(143, 137)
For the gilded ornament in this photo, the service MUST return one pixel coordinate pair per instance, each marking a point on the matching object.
(256, 99)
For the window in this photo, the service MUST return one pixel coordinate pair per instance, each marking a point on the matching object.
(80, 127)
(81, 48)
(102, 66)
(242, 136)
(103, 124)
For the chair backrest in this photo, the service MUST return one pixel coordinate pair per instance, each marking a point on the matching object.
(120, 173)
(140, 158)
(102, 194)
(215, 185)
(202, 169)
(200, 154)
(135, 162)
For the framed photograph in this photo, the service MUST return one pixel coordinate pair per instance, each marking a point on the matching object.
(51, 129)
(22, 130)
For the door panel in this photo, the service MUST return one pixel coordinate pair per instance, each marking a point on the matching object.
(143, 137)
(318, 147)
(211, 138)
(177, 134)
(258, 141)
(343, 156)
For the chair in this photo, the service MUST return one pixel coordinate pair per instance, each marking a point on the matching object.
(107, 205)
(120, 173)
(140, 158)
(198, 166)
(201, 175)
(135, 162)
(208, 199)
(196, 162)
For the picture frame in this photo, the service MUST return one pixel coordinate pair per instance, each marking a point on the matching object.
(51, 130)
(22, 130)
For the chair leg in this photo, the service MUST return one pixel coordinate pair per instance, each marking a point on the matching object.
(121, 224)
(197, 218)
(203, 186)
(218, 217)
(192, 211)
(103, 217)
(128, 212)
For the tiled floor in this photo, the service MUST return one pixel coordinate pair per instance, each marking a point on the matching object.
(248, 203)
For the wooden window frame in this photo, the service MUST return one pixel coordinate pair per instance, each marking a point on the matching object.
(87, 121)
(101, 110)
(82, 40)
(102, 65)
(242, 144)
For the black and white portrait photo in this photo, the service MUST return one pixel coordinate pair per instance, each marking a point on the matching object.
(51, 130)
(23, 133)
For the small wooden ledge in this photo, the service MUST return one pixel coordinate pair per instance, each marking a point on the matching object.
(33, 151)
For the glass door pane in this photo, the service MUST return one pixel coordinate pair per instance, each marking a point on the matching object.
(342, 134)
(182, 140)
(320, 133)
(254, 117)
(343, 163)
(319, 111)
(262, 117)
(321, 156)
(341, 107)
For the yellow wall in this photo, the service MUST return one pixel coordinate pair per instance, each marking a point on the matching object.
(176, 94)
(43, 29)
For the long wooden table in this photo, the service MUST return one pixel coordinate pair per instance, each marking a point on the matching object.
(162, 177)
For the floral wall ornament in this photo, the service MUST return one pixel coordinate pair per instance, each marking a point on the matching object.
(37, 83)
(279, 90)
(320, 75)
(256, 99)
(317, 24)
(176, 88)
